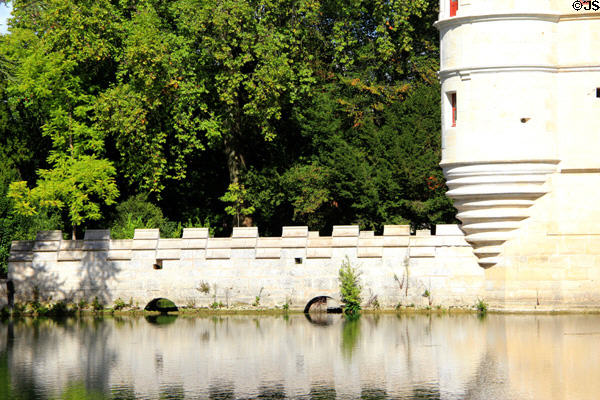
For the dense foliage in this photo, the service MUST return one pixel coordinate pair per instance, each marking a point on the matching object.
(153, 113)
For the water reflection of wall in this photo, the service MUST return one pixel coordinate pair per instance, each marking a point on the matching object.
(446, 357)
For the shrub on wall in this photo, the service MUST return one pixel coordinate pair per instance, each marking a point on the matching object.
(350, 288)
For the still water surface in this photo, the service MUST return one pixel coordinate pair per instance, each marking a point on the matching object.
(276, 357)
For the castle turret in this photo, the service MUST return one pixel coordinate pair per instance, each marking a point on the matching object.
(521, 143)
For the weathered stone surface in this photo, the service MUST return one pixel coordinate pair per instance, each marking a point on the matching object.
(243, 242)
(318, 252)
(245, 232)
(46, 245)
(448, 230)
(371, 241)
(270, 242)
(195, 233)
(70, 255)
(119, 255)
(17, 256)
(218, 243)
(396, 241)
(144, 244)
(218, 253)
(71, 245)
(22, 245)
(344, 241)
(168, 254)
(345, 231)
(268, 252)
(96, 245)
(97, 234)
(396, 230)
(297, 242)
(294, 231)
(146, 234)
(48, 235)
(422, 251)
(370, 252)
(319, 242)
(194, 243)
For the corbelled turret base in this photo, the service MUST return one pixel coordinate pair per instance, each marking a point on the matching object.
(552, 261)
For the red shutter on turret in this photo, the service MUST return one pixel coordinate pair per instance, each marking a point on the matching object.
(454, 110)
(453, 7)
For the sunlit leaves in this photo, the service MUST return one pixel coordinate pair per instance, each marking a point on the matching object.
(79, 185)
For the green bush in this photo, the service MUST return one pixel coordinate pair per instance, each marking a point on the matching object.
(138, 213)
(97, 305)
(216, 305)
(82, 305)
(59, 309)
(350, 288)
(204, 287)
(119, 304)
(481, 306)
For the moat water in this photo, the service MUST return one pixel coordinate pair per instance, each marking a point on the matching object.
(275, 357)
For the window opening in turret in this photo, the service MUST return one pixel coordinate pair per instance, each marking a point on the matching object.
(452, 98)
(453, 7)
(598, 93)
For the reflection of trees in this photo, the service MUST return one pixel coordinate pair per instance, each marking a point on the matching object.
(373, 394)
(40, 339)
(322, 392)
(174, 392)
(426, 393)
(5, 381)
(79, 391)
(275, 391)
(350, 335)
(123, 393)
(221, 391)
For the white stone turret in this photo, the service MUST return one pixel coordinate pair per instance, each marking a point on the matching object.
(521, 137)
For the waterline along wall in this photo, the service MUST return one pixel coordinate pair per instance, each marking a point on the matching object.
(245, 269)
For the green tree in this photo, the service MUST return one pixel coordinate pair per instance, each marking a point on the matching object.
(237, 196)
(49, 78)
(350, 288)
(18, 227)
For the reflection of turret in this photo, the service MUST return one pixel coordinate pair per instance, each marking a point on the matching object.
(520, 98)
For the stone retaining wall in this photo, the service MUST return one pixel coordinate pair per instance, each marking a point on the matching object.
(396, 268)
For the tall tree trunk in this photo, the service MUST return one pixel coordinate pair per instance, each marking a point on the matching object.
(235, 162)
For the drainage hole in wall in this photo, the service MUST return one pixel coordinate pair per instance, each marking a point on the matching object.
(298, 260)
(158, 264)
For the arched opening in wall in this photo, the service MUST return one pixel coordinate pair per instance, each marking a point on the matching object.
(161, 305)
(323, 304)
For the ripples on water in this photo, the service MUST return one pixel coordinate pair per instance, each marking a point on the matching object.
(323, 357)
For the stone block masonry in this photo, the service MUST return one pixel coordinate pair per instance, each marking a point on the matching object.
(197, 270)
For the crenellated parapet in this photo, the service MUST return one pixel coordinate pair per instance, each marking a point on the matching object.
(243, 243)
